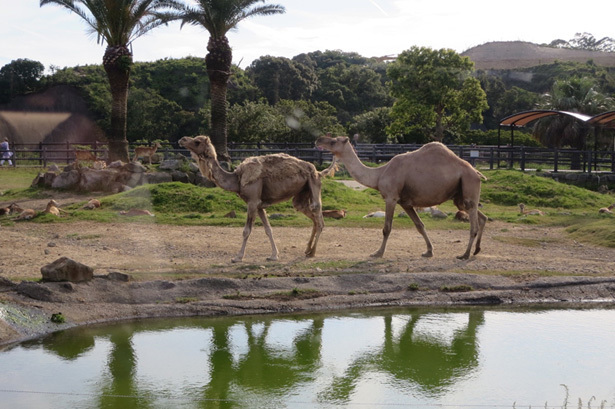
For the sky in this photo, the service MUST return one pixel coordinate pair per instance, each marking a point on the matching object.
(373, 28)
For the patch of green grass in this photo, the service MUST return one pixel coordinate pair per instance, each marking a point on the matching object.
(599, 232)
(509, 187)
(17, 179)
(185, 300)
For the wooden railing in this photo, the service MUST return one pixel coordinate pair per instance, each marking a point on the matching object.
(490, 157)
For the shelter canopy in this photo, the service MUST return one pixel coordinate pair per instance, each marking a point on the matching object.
(525, 117)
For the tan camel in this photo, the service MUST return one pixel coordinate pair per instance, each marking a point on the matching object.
(262, 181)
(426, 177)
(148, 151)
(136, 212)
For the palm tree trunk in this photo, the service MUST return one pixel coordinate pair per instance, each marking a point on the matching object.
(218, 120)
(218, 62)
(117, 63)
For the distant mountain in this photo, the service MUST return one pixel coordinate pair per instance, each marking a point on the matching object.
(502, 55)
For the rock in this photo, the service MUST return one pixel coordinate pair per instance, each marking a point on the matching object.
(117, 276)
(65, 269)
(66, 180)
(179, 176)
(157, 177)
(170, 164)
(6, 284)
(35, 291)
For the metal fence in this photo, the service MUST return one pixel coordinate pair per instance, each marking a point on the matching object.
(485, 157)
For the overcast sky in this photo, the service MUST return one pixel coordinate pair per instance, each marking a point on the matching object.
(372, 28)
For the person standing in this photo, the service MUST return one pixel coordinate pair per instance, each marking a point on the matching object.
(5, 153)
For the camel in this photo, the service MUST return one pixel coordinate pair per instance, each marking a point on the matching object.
(148, 151)
(607, 209)
(426, 177)
(532, 212)
(262, 181)
(462, 215)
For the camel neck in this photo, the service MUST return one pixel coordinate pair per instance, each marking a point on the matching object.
(361, 173)
(210, 168)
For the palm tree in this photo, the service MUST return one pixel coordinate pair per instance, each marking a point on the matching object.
(118, 23)
(576, 94)
(218, 17)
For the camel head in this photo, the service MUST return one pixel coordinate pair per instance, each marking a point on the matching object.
(52, 203)
(200, 147)
(335, 145)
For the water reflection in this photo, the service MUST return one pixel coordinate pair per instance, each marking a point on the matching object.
(390, 356)
(422, 363)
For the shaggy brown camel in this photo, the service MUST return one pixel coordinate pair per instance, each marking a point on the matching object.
(426, 177)
(262, 181)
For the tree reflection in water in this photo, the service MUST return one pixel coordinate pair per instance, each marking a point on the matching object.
(261, 370)
(424, 363)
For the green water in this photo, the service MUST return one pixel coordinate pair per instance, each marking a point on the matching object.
(389, 358)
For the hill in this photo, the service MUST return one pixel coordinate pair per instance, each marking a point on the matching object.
(502, 55)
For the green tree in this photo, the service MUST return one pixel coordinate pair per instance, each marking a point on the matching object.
(218, 17)
(281, 78)
(255, 122)
(19, 77)
(118, 23)
(351, 89)
(435, 93)
(371, 126)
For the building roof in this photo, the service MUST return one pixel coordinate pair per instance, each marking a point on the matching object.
(525, 117)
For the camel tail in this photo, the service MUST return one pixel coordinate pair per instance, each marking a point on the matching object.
(330, 171)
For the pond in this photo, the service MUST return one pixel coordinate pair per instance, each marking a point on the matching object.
(455, 358)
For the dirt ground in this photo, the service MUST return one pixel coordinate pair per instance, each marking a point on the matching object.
(176, 271)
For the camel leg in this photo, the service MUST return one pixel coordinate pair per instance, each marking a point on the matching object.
(482, 220)
(388, 225)
(474, 228)
(274, 249)
(247, 229)
(300, 203)
(421, 229)
(317, 228)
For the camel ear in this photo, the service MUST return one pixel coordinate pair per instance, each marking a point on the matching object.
(344, 139)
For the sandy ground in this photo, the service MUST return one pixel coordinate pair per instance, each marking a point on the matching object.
(179, 271)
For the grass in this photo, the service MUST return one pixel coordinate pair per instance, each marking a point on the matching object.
(177, 203)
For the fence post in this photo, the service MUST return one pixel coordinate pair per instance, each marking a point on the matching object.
(555, 159)
(491, 158)
(522, 158)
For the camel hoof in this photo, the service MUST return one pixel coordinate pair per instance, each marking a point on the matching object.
(376, 255)
(236, 260)
(463, 257)
(427, 254)
(272, 258)
(477, 250)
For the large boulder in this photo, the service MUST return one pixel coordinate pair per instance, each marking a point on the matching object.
(66, 269)
(66, 180)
